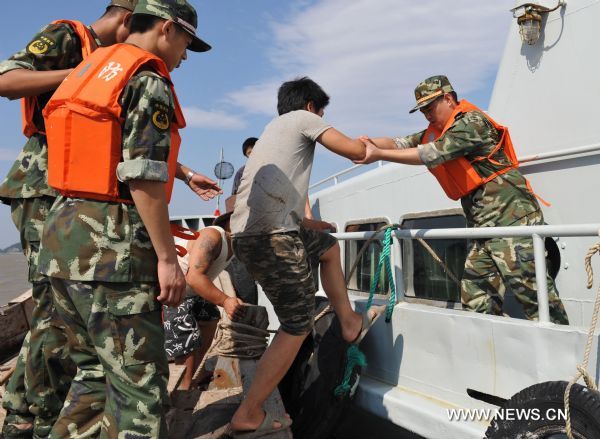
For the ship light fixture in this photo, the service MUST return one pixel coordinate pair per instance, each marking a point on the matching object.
(529, 17)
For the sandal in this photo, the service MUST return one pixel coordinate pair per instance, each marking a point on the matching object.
(367, 322)
(265, 428)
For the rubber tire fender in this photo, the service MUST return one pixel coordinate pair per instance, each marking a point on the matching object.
(307, 389)
(547, 398)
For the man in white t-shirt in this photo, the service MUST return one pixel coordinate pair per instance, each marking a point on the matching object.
(190, 327)
(269, 239)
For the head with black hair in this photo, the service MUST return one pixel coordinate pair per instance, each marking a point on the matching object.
(248, 145)
(113, 26)
(299, 94)
(142, 23)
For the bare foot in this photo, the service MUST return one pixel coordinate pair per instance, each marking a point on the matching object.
(352, 330)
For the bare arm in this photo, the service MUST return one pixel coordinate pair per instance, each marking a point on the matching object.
(21, 83)
(310, 222)
(408, 156)
(149, 198)
(322, 226)
(340, 144)
(205, 250)
(307, 210)
(203, 186)
(384, 142)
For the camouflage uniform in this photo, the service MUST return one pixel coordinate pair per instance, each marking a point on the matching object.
(103, 270)
(283, 264)
(36, 391)
(504, 201)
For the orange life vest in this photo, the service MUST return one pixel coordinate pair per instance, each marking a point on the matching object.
(458, 177)
(30, 104)
(84, 123)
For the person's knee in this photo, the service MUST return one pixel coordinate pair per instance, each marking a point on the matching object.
(299, 327)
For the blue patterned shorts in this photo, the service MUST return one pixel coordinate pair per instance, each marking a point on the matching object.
(182, 332)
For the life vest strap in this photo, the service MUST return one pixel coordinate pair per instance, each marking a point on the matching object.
(544, 202)
(183, 233)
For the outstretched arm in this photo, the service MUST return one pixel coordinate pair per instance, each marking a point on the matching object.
(205, 250)
(382, 142)
(21, 83)
(340, 144)
(409, 156)
(203, 186)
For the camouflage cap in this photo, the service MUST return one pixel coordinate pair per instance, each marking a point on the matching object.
(126, 4)
(430, 89)
(181, 12)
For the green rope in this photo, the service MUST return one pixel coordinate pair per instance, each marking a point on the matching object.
(385, 263)
(354, 357)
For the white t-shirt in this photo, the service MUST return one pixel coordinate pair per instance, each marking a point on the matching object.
(273, 190)
(216, 267)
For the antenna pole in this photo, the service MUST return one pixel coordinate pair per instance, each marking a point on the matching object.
(217, 210)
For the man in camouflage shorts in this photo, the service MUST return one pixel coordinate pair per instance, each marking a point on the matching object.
(284, 265)
(277, 250)
(36, 391)
(112, 262)
(505, 200)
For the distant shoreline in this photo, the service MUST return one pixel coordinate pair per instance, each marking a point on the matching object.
(13, 276)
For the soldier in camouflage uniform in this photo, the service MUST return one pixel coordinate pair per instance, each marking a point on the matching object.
(112, 263)
(36, 391)
(506, 200)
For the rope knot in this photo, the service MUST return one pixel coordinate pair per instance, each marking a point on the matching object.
(588, 264)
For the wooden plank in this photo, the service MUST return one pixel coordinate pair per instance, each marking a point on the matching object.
(14, 324)
(176, 372)
(22, 298)
(2, 411)
(212, 410)
(273, 404)
(204, 414)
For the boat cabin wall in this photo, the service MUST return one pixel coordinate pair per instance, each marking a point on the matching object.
(397, 191)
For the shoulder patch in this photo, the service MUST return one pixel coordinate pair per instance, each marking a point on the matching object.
(41, 45)
(160, 116)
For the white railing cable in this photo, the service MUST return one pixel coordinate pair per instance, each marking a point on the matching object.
(522, 160)
(537, 233)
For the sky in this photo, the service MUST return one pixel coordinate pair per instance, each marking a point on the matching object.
(368, 55)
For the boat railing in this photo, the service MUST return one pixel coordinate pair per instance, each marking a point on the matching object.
(537, 233)
(562, 153)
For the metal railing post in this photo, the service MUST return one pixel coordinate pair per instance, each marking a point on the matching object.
(539, 251)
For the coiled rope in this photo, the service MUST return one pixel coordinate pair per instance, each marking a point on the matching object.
(235, 340)
(582, 368)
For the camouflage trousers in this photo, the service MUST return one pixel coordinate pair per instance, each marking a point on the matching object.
(117, 341)
(284, 265)
(36, 391)
(493, 265)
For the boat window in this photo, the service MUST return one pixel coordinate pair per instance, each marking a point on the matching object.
(424, 277)
(367, 266)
